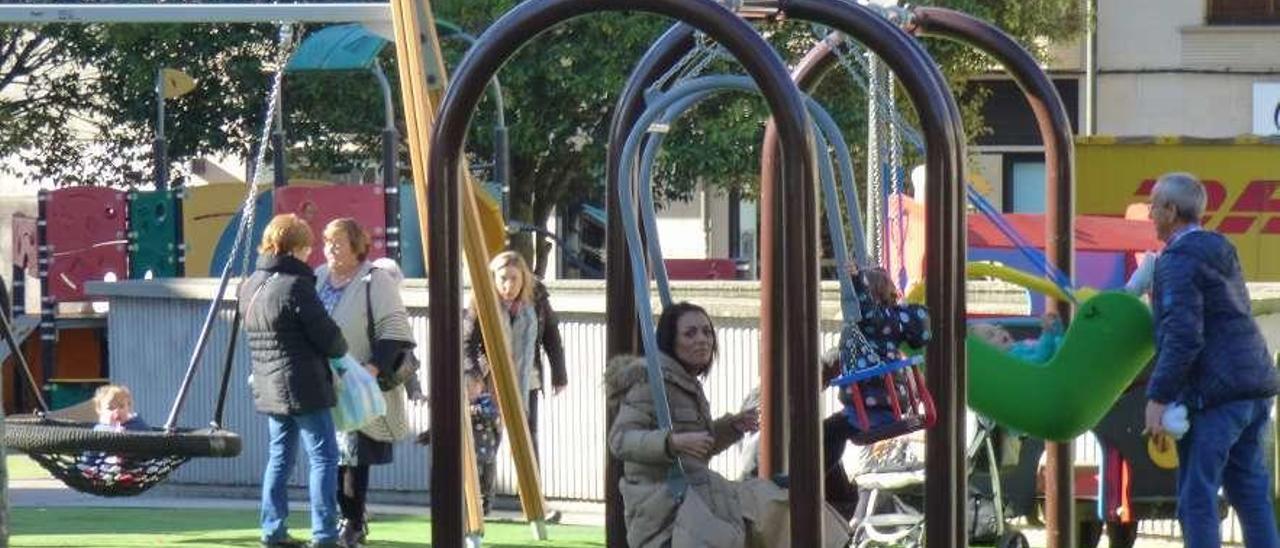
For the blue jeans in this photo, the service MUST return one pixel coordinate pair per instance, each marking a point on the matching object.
(1224, 449)
(321, 444)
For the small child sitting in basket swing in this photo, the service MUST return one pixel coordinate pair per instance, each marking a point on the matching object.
(114, 404)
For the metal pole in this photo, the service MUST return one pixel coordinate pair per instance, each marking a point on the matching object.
(499, 42)
(279, 175)
(620, 307)
(160, 152)
(338, 12)
(1059, 150)
(390, 166)
(943, 133)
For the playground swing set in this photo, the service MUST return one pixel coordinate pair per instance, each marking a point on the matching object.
(1109, 320)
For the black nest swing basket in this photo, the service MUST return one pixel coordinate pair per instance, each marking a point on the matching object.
(117, 463)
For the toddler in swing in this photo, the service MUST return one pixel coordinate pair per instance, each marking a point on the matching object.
(114, 404)
(877, 339)
(1038, 350)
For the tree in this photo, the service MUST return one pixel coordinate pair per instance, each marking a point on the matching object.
(79, 101)
(561, 91)
(39, 89)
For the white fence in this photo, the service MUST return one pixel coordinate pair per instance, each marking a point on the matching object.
(153, 326)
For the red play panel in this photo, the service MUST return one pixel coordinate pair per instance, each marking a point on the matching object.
(701, 269)
(321, 204)
(25, 242)
(85, 227)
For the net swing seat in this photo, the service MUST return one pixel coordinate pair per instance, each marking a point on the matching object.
(112, 464)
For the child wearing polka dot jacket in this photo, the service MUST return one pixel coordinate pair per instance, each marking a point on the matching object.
(887, 324)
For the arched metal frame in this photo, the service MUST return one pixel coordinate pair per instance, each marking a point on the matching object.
(1059, 153)
(497, 45)
(1055, 130)
(944, 139)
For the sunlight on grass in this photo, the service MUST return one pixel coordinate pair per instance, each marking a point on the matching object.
(128, 527)
(22, 468)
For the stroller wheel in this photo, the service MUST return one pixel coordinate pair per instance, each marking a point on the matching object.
(1013, 539)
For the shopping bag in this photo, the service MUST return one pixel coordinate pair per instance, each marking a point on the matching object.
(360, 401)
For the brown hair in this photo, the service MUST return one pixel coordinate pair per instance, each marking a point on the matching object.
(515, 259)
(109, 394)
(354, 233)
(667, 331)
(285, 234)
(880, 286)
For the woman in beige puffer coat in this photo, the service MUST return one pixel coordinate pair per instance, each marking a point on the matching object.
(688, 344)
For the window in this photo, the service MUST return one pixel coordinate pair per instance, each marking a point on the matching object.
(1009, 116)
(1244, 12)
(1023, 185)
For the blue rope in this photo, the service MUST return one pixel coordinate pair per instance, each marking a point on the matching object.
(1024, 247)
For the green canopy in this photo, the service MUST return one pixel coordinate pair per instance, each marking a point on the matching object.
(341, 47)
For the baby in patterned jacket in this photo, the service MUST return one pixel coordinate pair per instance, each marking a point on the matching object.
(886, 325)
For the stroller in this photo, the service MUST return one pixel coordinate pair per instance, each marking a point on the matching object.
(891, 493)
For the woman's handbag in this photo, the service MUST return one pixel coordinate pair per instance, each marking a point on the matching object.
(360, 401)
(393, 425)
(767, 508)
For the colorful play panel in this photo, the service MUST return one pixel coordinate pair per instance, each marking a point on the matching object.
(85, 229)
(206, 213)
(154, 236)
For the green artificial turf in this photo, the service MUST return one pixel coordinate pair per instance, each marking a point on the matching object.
(198, 528)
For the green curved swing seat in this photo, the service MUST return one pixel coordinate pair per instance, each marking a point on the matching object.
(1109, 342)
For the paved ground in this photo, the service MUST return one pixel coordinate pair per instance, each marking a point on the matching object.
(50, 493)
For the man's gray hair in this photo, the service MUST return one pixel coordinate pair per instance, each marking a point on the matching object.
(1184, 192)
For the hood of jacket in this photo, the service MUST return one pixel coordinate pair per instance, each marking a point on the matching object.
(624, 372)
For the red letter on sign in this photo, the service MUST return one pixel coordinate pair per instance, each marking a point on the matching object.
(1258, 197)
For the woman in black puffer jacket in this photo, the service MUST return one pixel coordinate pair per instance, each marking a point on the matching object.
(290, 339)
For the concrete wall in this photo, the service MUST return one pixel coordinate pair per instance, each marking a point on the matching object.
(1163, 71)
(1201, 105)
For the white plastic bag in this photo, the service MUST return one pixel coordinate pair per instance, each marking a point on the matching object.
(360, 400)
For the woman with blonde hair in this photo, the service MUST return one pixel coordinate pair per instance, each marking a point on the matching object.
(364, 299)
(291, 339)
(514, 283)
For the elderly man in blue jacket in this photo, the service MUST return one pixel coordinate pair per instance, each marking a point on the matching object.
(1211, 357)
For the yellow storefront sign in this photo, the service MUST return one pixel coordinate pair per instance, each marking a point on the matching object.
(1241, 177)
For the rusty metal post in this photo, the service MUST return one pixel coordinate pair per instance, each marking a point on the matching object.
(1059, 152)
(499, 42)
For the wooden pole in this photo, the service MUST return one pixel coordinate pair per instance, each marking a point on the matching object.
(423, 63)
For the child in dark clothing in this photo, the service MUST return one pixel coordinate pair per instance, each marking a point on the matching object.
(876, 339)
(487, 433)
